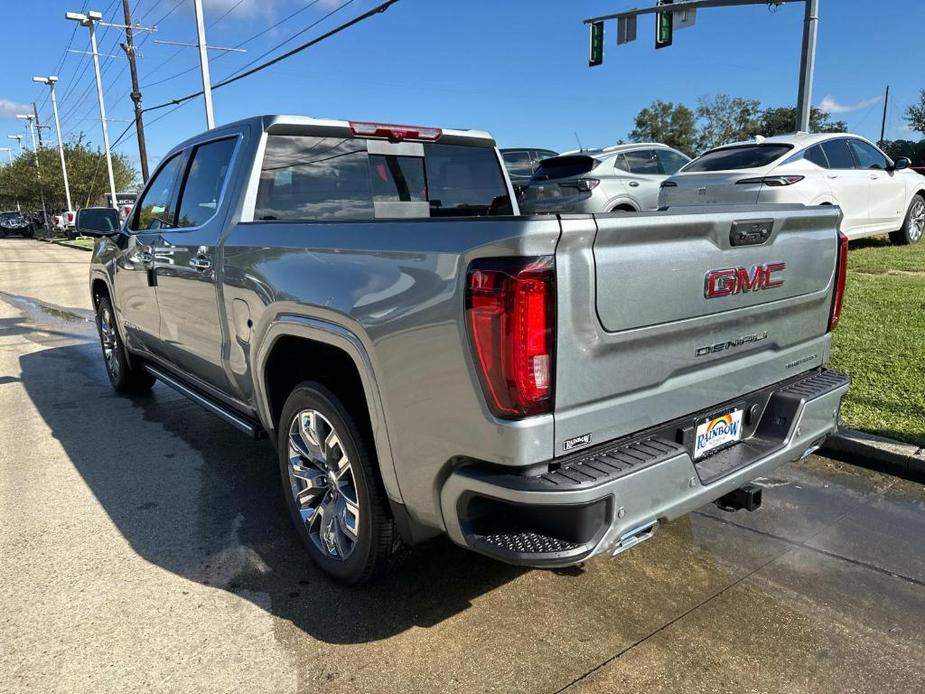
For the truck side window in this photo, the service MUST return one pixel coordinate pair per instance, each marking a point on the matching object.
(314, 179)
(204, 182)
(154, 210)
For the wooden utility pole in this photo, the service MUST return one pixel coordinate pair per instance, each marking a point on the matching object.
(38, 124)
(129, 48)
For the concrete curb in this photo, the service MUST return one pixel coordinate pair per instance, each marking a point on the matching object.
(878, 453)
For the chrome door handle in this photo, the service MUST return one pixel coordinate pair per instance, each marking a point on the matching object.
(634, 184)
(200, 262)
(874, 177)
(832, 176)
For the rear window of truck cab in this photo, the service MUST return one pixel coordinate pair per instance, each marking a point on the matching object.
(306, 178)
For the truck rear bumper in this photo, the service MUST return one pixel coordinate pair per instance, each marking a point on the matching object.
(607, 498)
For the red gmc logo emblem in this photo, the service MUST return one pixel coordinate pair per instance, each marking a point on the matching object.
(738, 280)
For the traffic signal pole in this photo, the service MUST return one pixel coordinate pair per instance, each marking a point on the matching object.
(627, 20)
(807, 64)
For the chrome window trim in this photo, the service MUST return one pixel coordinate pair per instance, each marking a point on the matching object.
(253, 182)
(238, 137)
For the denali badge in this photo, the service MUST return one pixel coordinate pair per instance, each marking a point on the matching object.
(731, 344)
(738, 280)
(582, 440)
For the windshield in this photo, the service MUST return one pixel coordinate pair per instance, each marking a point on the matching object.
(15, 216)
(738, 157)
(564, 167)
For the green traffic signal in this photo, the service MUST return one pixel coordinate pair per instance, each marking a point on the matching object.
(596, 53)
(664, 26)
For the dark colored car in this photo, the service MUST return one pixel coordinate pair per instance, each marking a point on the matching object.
(521, 162)
(15, 223)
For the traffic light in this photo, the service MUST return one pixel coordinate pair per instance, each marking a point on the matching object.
(596, 53)
(664, 26)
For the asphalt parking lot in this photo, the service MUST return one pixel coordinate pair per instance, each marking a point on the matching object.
(143, 546)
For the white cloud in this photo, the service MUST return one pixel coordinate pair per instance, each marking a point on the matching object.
(9, 109)
(830, 105)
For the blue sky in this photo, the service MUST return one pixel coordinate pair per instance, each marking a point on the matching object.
(514, 67)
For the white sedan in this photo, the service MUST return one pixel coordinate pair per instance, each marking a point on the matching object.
(875, 194)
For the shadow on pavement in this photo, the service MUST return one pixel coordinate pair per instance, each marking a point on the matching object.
(216, 517)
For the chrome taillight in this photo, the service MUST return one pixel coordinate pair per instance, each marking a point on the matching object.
(510, 311)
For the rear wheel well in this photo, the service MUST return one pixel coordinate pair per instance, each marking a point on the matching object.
(295, 359)
(623, 207)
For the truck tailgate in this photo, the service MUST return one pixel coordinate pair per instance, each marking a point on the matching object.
(661, 315)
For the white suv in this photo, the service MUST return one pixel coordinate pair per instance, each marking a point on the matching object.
(623, 178)
(876, 194)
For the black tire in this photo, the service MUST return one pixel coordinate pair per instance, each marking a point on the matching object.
(371, 549)
(125, 378)
(913, 225)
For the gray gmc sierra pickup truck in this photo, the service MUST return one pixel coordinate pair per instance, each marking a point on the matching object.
(426, 360)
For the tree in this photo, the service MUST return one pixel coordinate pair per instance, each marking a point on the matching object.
(725, 119)
(782, 120)
(668, 123)
(915, 114)
(86, 173)
(895, 149)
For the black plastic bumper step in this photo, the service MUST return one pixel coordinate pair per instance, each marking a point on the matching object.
(528, 543)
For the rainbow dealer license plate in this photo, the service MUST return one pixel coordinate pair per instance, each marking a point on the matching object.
(718, 432)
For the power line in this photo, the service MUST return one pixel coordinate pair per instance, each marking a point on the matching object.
(239, 75)
(297, 34)
(219, 57)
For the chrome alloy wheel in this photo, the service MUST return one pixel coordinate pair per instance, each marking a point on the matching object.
(322, 484)
(916, 221)
(110, 343)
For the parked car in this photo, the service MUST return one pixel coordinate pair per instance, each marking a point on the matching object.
(522, 162)
(426, 360)
(15, 223)
(623, 178)
(875, 194)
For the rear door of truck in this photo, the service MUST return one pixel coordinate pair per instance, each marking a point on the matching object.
(667, 314)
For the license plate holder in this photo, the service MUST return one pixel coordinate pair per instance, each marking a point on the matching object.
(716, 432)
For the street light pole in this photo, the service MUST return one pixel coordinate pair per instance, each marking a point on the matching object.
(89, 20)
(18, 138)
(204, 64)
(50, 81)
